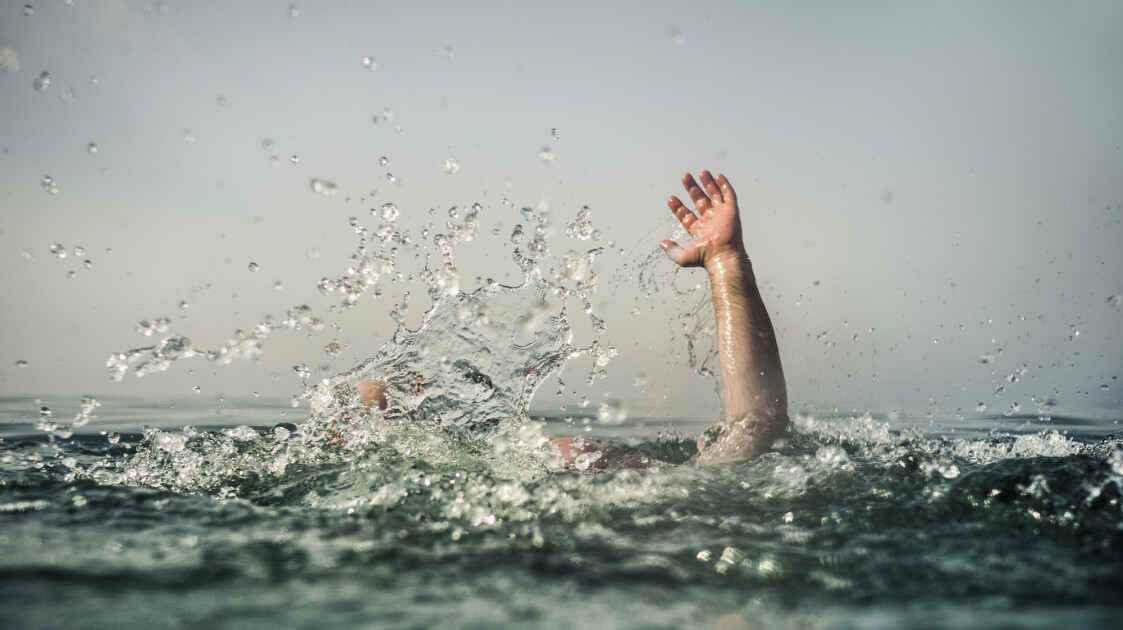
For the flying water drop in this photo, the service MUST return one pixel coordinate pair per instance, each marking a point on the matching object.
(323, 187)
(42, 82)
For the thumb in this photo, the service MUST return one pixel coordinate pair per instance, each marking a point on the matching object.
(672, 249)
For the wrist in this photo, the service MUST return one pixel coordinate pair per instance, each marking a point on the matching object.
(726, 262)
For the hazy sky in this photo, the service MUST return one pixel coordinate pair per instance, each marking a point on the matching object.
(932, 192)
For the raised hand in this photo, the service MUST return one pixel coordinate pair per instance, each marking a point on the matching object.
(714, 224)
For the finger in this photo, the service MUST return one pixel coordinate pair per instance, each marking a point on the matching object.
(672, 249)
(726, 189)
(684, 215)
(697, 195)
(711, 187)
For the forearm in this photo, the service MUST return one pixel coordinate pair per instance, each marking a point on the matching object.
(755, 393)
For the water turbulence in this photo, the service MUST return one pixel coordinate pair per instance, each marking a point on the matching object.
(457, 388)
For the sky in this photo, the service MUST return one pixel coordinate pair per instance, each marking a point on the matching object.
(932, 193)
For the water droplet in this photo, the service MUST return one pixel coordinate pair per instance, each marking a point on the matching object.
(546, 155)
(58, 251)
(278, 286)
(9, 60)
(28, 10)
(49, 185)
(20, 363)
(323, 186)
(197, 389)
(383, 161)
(267, 144)
(79, 250)
(390, 177)
(554, 134)
(45, 412)
(221, 100)
(1115, 300)
(389, 212)
(302, 371)
(183, 305)
(369, 63)
(294, 159)
(88, 264)
(332, 349)
(444, 52)
(294, 11)
(612, 412)
(677, 37)
(113, 437)
(452, 165)
(187, 135)
(252, 266)
(91, 147)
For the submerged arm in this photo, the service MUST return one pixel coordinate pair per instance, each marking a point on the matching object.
(753, 386)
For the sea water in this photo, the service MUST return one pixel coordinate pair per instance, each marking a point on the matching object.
(448, 509)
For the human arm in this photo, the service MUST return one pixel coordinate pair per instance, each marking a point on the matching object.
(752, 377)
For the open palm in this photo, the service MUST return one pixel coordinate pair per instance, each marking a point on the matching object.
(714, 225)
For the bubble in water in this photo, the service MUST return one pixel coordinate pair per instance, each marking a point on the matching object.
(389, 212)
(49, 185)
(58, 251)
(91, 147)
(451, 165)
(323, 187)
(546, 155)
(1115, 300)
(369, 63)
(252, 266)
(20, 363)
(444, 52)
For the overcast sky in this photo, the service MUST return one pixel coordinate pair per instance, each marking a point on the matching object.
(932, 192)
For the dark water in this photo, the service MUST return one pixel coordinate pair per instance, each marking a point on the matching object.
(858, 522)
